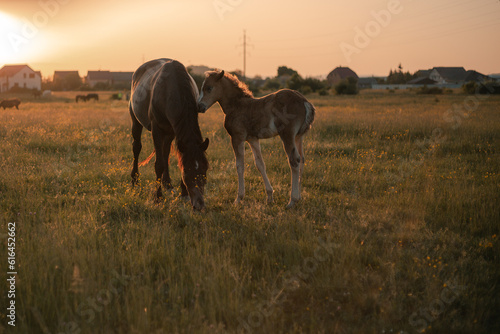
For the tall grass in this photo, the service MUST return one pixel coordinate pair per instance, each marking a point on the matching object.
(397, 230)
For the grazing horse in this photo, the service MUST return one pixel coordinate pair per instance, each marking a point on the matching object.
(92, 96)
(81, 97)
(285, 113)
(10, 103)
(164, 101)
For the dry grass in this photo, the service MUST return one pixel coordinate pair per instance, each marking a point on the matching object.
(397, 230)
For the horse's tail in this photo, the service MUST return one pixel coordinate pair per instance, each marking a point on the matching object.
(145, 162)
(310, 111)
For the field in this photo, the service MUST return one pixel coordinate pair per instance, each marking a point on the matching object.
(397, 231)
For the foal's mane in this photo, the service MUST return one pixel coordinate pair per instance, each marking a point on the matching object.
(235, 82)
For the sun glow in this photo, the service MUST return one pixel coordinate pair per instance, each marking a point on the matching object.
(19, 42)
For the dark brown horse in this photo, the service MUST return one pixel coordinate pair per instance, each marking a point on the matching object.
(10, 103)
(164, 101)
(81, 98)
(285, 113)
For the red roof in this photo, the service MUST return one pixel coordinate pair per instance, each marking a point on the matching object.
(10, 70)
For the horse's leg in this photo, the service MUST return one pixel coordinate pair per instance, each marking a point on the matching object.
(136, 146)
(294, 160)
(167, 142)
(261, 166)
(239, 155)
(158, 141)
(184, 192)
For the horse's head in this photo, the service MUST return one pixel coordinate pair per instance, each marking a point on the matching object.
(194, 174)
(211, 90)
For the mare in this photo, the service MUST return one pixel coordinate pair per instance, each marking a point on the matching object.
(164, 101)
(285, 113)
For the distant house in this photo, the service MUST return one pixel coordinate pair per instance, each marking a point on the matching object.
(476, 77)
(95, 77)
(423, 73)
(66, 80)
(198, 70)
(422, 81)
(121, 79)
(368, 82)
(108, 78)
(19, 76)
(448, 75)
(340, 73)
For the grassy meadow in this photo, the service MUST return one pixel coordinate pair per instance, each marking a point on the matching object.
(397, 230)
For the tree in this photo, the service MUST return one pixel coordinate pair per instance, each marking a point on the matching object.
(295, 82)
(347, 86)
(399, 77)
(283, 70)
(71, 81)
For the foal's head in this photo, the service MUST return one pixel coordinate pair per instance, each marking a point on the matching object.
(194, 165)
(218, 85)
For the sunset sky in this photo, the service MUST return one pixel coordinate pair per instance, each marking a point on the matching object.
(312, 37)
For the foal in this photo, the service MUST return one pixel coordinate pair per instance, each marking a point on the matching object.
(285, 113)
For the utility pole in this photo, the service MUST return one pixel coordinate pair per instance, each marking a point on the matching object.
(244, 54)
(244, 45)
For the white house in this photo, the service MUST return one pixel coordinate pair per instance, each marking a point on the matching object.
(21, 76)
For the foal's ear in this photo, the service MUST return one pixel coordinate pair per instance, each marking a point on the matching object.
(204, 145)
(219, 76)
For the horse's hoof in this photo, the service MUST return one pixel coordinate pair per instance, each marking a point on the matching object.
(292, 203)
(238, 200)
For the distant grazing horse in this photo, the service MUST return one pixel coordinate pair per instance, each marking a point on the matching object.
(81, 98)
(10, 103)
(92, 96)
(164, 101)
(285, 113)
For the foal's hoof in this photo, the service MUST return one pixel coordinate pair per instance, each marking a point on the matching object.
(238, 200)
(270, 197)
(292, 203)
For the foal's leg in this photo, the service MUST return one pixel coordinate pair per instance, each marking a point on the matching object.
(261, 166)
(239, 154)
(294, 160)
(136, 146)
(300, 149)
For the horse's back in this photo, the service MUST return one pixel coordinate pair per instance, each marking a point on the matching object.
(147, 88)
(142, 82)
(173, 96)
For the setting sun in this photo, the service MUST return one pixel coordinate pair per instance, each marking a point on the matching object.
(20, 40)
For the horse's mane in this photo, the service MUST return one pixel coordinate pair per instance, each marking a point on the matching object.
(236, 83)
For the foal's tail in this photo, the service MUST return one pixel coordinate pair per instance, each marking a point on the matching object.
(145, 162)
(310, 111)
